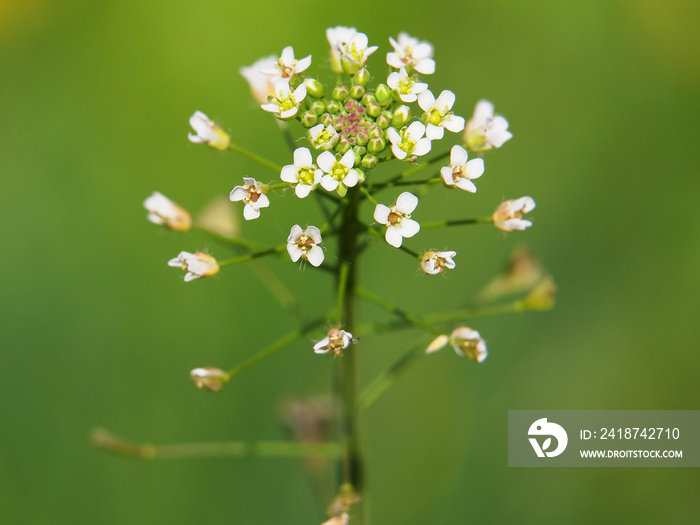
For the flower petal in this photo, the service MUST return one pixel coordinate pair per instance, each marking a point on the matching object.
(393, 237)
(406, 203)
(408, 227)
(315, 256)
(381, 214)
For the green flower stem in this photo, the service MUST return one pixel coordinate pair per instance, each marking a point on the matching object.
(277, 185)
(385, 185)
(277, 345)
(254, 255)
(516, 306)
(384, 380)
(386, 305)
(236, 241)
(368, 195)
(256, 158)
(458, 222)
(107, 441)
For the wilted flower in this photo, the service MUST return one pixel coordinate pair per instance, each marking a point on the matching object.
(209, 378)
(302, 172)
(253, 195)
(409, 141)
(285, 103)
(406, 86)
(336, 341)
(261, 85)
(207, 132)
(165, 212)
(304, 244)
(339, 174)
(460, 172)
(468, 342)
(509, 214)
(323, 139)
(287, 66)
(410, 52)
(197, 264)
(433, 263)
(485, 130)
(438, 116)
(397, 219)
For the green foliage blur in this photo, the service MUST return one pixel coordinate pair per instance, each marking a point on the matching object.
(603, 98)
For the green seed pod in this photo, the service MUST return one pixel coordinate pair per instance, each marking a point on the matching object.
(314, 88)
(340, 93)
(401, 116)
(361, 78)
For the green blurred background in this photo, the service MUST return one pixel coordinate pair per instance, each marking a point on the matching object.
(603, 98)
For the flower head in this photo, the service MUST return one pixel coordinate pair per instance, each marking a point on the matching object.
(304, 244)
(406, 86)
(197, 264)
(438, 116)
(339, 174)
(433, 263)
(261, 85)
(253, 195)
(468, 342)
(352, 47)
(165, 212)
(285, 103)
(336, 341)
(209, 378)
(287, 66)
(302, 172)
(323, 139)
(485, 130)
(409, 52)
(397, 219)
(409, 141)
(509, 214)
(460, 172)
(207, 132)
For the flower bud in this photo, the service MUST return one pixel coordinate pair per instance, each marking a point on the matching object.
(317, 107)
(209, 378)
(349, 64)
(375, 132)
(326, 119)
(369, 162)
(314, 88)
(383, 94)
(357, 92)
(362, 138)
(340, 93)
(376, 145)
(361, 78)
(384, 120)
(206, 132)
(360, 151)
(343, 146)
(165, 212)
(309, 119)
(373, 109)
(333, 106)
(401, 116)
(368, 98)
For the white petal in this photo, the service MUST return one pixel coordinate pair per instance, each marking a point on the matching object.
(250, 213)
(294, 252)
(416, 130)
(351, 178)
(294, 234)
(408, 227)
(422, 147)
(475, 168)
(482, 112)
(329, 183)
(191, 277)
(303, 64)
(446, 100)
(381, 214)
(393, 237)
(398, 152)
(302, 190)
(289, 173)
(313, 233)
(458, 156)
(393, 60)
(406, 203)
(299, 93)
(315, 256)
(325, 161)
(348, 160)
(526, 204)
(263, 201)
(454, 124)
(466, 185)
(446, 173)
(434, 132)
(238, 193)
(271, 107)
(426, 100)
(195, 139)
(302, 158)
(425, 66)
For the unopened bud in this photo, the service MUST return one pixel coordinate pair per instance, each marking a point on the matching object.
(333, 106)
(373, 109)
(309, 119)
(314, 88)
(383, 94)
(326, 119)
(362, 138)
(360, 151)
(384, 120)
(317, 107)
(401, 116)
(376, 145)
(340, 93)
(368, 98)
(357, 92)
(369, 162)
(361, 78)
(209, 378)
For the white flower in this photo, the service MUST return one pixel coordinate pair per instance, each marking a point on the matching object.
(323, 139)
(410, 52)
(207, 132)
(406, 86)
(466, 341)
(409, 141)
(433, 263)
(485, 130)
(352, 48)
(397, 219)
(509, 214)
(285, 103)
(339, 174)
(197, 264)
(460, 172)
(438, 114)
(209, 378)
(335, 36)
(336, 341)
(287, 66)
(302, 172)
(437, 343)
(261, 85)
(165, 212)
(253, 197)
(304, 244)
